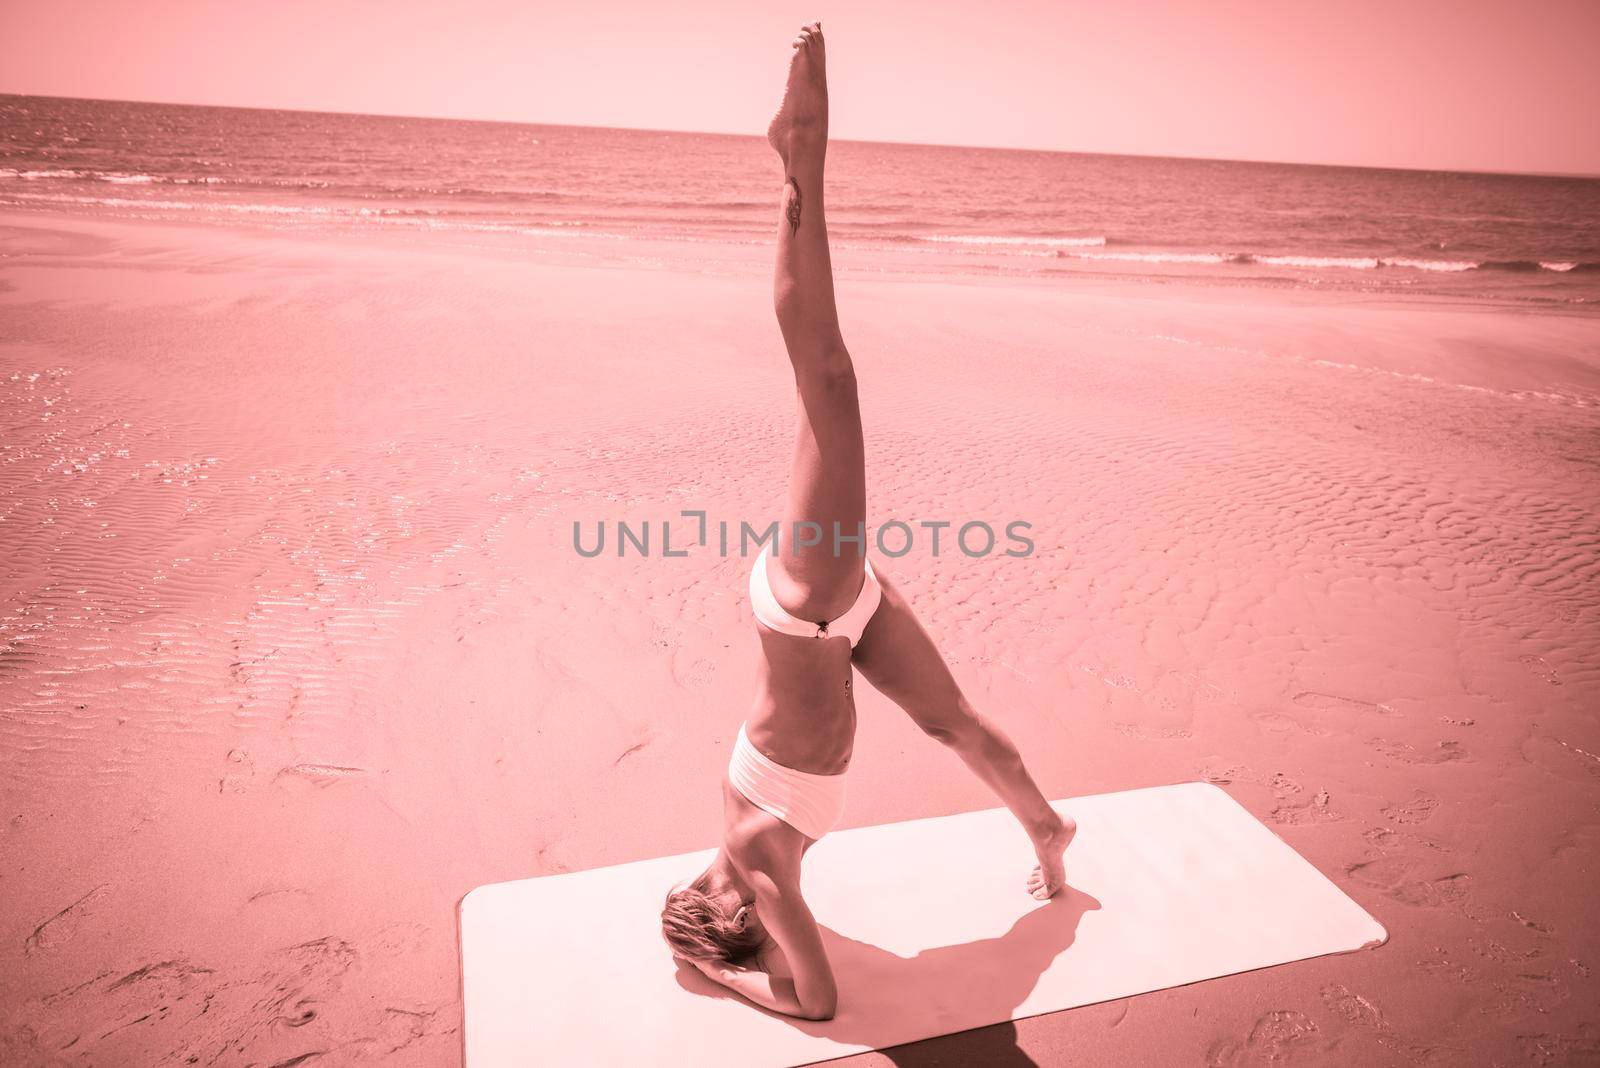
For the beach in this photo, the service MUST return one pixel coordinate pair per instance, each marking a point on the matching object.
(297, 647)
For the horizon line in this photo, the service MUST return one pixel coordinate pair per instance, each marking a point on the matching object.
(853, 140)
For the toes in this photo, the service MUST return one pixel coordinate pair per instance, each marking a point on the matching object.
(1040, 885)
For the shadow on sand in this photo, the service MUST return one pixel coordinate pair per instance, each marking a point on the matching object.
(884, 998)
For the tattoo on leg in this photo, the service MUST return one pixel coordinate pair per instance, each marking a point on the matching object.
(793, 210)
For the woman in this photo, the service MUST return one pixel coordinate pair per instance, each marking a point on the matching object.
(743, 921)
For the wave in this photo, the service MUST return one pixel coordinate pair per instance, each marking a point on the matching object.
(1447, 266)
(12, 172)
(1151, 257)
(359, 190)
(393, 216)
(460, 207)
(202, 205)
(1048, 242)
(115, 177)
(1352, 263)
(1561, 266)
(1094, 248)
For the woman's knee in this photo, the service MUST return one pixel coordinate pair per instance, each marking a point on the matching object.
(824, 367)
(948, 718)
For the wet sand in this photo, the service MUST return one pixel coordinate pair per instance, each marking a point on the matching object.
(295, 648)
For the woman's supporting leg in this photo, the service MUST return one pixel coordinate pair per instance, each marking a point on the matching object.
(901, 661)
(827, 501)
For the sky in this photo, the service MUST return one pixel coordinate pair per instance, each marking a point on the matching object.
(1503, 85)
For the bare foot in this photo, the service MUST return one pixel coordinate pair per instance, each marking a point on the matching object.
(1049, 875)
(802, 118)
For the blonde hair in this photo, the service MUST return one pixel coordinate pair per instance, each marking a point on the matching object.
(700, 927)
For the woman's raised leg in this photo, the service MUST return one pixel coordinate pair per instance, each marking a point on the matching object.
(827, 499)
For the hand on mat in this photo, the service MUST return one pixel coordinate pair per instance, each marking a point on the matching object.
(694, 962)
(715, 970)
(720, 971)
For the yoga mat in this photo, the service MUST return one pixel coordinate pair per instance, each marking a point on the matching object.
(928, 928)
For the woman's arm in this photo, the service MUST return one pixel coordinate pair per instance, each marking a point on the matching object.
(792, 975)
(791, 926)
(770, 959)
(770, 983)
(769, 991)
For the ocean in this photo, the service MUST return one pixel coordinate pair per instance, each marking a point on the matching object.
(603, 192)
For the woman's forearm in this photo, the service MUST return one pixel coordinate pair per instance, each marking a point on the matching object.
(769, 991)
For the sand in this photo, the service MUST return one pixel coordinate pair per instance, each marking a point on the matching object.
(295, 648)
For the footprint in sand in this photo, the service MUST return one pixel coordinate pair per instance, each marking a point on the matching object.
(1560, 758)
(1353, 1007)
(320, 775)
(1278, 1037)
(1392, 876)
(1281, 784)
(1361, 1015)
(240, 770)
(1314, 809)
(1149, 734)
(1389, 840)
(663, 637)
(61, 927)
(1532, 925)
(1559, 1049)
(1540, 669)
(1222, 776)
(699, 674)
(1382, 837)
(1442, 753)
(1414, 811)
(1278, 723)
(1334, 704)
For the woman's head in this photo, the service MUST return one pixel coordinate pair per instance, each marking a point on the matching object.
(702, 923)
